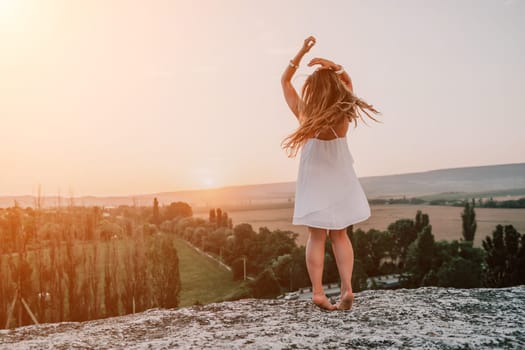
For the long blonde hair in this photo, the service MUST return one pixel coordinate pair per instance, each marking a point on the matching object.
(325, 102)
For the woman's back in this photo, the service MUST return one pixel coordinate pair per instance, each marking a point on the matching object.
(340, 131)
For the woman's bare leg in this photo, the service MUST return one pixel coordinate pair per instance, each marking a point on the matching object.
(344, 257)
(315, 263)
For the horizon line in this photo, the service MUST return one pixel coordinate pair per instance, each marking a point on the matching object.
(242, 185)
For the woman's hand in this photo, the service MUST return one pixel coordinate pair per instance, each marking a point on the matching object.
(324, 64)
(308, 44)
(327, 64)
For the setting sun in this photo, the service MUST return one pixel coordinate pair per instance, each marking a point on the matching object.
(208, 182)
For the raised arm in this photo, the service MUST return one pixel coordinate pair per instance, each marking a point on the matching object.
(327, 64)
(290, 95)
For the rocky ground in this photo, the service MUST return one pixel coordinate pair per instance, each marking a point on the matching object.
(425, 318)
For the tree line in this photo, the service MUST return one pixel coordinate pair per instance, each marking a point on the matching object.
(481, 202)
(77, 264)
(407, 248)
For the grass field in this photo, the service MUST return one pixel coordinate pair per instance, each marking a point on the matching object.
(203, 280)
(445, 220)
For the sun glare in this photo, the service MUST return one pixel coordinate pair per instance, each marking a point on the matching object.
(8, 7)
(207, 182)
(9, 12)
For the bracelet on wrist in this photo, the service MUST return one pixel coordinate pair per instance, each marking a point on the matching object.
(293, 65)
(340, 71)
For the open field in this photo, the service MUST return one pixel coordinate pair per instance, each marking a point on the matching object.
(445, 220)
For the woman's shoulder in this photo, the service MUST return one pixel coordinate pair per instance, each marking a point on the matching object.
(341, 128)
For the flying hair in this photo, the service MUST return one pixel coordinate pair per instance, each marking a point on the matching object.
(325, 102)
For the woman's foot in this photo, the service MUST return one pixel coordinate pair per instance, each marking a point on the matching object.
(322, 301)
(347, 299)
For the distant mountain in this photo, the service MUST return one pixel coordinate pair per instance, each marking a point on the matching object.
(466, 180)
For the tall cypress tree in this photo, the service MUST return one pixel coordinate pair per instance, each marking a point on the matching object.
(469, 221)
(164, 272)
(212, 216)
(156, 213)
(218, 217)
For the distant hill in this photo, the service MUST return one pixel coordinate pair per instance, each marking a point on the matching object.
(481, 179)
(468, 179)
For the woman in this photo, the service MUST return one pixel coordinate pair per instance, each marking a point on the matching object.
(328, 196)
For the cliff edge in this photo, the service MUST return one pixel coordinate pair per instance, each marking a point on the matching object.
(429, 318)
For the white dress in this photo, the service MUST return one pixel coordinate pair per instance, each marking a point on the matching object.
(328, 194)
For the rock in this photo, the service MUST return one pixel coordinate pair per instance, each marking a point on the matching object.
(430, 318)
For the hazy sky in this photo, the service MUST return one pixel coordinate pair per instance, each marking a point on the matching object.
(125, 97)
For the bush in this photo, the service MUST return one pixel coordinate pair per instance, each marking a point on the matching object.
(459, 273)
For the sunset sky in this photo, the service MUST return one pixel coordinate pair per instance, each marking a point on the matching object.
(122, 97)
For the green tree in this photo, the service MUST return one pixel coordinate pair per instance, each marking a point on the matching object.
(243, 237)
(403, 232)
(447, 264)
(264, 247)
(5, 293)
(134, 296)
(505, 257)
(359, 277)
(178, 209)
(216, 240)
(458, 264)
(224, 220)
(265, 285)
(299, 273)
(71, 267)
(459, 272)
(211, 217)
(282, 268)
(468, 218)
(218, 217)
(93, 281)
(156, 212)
(237, 266)
(21, 272)
(164, 272)
(420, 257)
(422, 220)
(361, 246)
(89, 226)
(20, 266)
(372, 249)
(111, 297)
